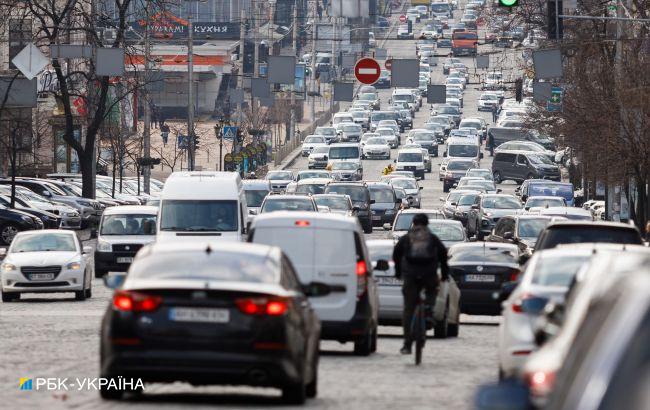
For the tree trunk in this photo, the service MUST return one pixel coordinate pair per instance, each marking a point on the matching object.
(86, 167)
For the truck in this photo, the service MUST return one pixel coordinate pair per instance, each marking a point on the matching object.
(464, 43)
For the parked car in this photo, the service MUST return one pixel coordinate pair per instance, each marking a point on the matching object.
(13, 221)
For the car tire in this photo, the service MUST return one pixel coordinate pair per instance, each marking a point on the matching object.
(454, 328)
(311, 390)
(530, 176)
(89, 291)
(440, 330)
(7, 233)
(480, 236)
(363, 347)
(375, 336)
(496, 175)
(80, 295)
(367, 228)
(10, 297)
(294, 393)
(445, 188)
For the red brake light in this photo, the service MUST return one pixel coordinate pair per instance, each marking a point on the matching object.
(135, 302)
(302, 223)
(540, 382)
(262, 306)
(514, 274)
(362, 269)
(362, 278)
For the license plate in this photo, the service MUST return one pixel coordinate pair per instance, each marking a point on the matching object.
(389, 281)
(41, 276)
(125, 259)
(199, 315)
(479, 278)
(376, 217)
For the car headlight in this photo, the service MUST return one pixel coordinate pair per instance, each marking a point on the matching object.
(488, 214)
(103, 246)
(73, 266)
(390, 211)
(8, 267)
(27, 218)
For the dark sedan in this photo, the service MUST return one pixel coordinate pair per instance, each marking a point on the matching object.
(232, 315)
(479, 269)
(385, 205)
(13, 221)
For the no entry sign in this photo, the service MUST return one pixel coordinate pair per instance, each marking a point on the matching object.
(402, 19)
(367, 70)
(388, 64)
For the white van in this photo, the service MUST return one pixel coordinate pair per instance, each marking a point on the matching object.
(463, 148)
(329, 248)
(405, 95)
(411, 159)
(205, 205)
(346, 152)
(341, 117)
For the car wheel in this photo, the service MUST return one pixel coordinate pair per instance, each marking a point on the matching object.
(10, 297)
(81, 294)
(89, 291)
(364, 347)
(7, 233)
(530, 176)
(440, 329)
(445, 188)
(294, 393)
(497, 177)
(311, 390)
(374, 340)
(453, 328)
(367, 228)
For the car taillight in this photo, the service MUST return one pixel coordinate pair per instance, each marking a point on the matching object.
(540, 382)
(514, 274)
(362, 278)
(127, 301)
(262, 306)
(302, 223)
(517, 304)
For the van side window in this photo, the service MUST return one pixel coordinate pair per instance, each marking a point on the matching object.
(521, 160)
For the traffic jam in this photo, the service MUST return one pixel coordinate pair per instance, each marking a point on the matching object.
(282, 288)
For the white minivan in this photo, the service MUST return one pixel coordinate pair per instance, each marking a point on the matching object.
(205, 205)
(329, 248)
(463, 148)
(411, 159)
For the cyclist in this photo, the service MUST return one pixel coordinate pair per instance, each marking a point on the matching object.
(417, 256)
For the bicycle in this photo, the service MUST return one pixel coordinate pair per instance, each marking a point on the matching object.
(419, 328)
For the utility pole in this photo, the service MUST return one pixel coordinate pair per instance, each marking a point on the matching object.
(256, 63)
(292, 123)
(190, 91)
(240, 77)
(146, 140)
(313, 64)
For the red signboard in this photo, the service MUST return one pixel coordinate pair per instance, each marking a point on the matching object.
(402, 19)
(388, 64)
(367, 70)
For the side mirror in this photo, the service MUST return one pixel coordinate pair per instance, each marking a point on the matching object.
(526, 208)
(356, 208)
(453, 204)
(115, 280)
(421, 188)
(499, 190)
(442, 199)
(534, 305)
(316, 289)
(444, 154)
(93, 233)
(382, 265)
(387, 226)
(395, 161)
(523, 258)
(325, 156)
(252, 212)
(87, 250)
(47, 194)
(508, 236)
(455, 185)
(524, 198)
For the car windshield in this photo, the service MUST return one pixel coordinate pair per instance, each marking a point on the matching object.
(128, 224)
(279, 175)
(531, 228)
(215, 266)
(321, 150)
(488, 185)
(313, 174)
(403, 97)
(447, 232)
(457, 150)
(325, 131)
(467, 199)
(198, 216)
(557, 270)
(310, 188)
(587, 234)
(385, 131)
(356, 193)
(344, 152)
(544, 202)
(459, 165)
(409, 157)
(333, 202)
(479, 173)
(367, 96)
(489, 97)
(465, 36)
(54, 242)
(471, 124)
(448, 109)
(378, 116)
(382, 194)
(376, 141)
(423, 136)
(540, 159)
(501, 202)
(545, 189)
(404, 220)
(405, 183)
(350, 128)
(287, 204)
(314, 140)
(344, 166)
(254, 197)
(483, 253)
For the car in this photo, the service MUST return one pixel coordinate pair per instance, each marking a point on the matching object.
(341, 118)
(312, 186)
(279, 179)
(310, 142)
(446, 310)
(329, 248)
(544, 187)
(521, 165)
(430, 31)
(486, 212)
(412, 188)
(537, 203)
(455, 169)
(411, 159)
(404, 219)
(463, 204)
(448, 64)
(66, 216)
(328, 132)
(254, 338)
(376, 147)
(123, 230)
(477, 124)
(307, 174)
(487, 101)
(360, 196)
(404, 33)
(546, 279)
(377, 116)
(450, 110)
(425, 138)
(361, 117)
(450, 201)
(370, 97)
(413, 14)
(46, 261)
(444, 43)
(521, 230)
(318, 158)
(384, 79)
(13, 221)
(49, 220)
(480, 172)
(349, 132)
(293, 203)
(346, 171)
(479, 269)
(389, 135)
(384, 203)
(337, 203)
(564, 232)
(256, 190)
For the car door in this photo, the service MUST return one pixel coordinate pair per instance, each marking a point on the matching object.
(499, 230)
(520, 170)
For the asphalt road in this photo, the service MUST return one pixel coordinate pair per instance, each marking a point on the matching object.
(55, 336)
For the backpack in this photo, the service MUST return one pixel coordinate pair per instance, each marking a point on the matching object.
(421, 249)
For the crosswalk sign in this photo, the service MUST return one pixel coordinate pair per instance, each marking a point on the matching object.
(229, 133)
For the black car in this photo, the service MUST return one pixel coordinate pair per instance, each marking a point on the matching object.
(479, 269)
(13, 221)
(384, 80)
(230, 315)
(385, 203)
(521, 165)
(456, 169)
(50, 220)
(564, 232)
(360, 196)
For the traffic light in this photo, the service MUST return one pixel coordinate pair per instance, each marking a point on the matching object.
(555, 31)
(249, 57)
(519, 89)
(508, 3)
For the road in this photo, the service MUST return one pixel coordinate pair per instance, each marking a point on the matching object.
(54, 336)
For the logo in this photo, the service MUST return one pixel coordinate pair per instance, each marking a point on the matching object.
(25, 383)
(127, 247)
(479, 268)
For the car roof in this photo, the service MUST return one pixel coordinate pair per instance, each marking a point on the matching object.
(420, 211)
(131, 209)
(377, 243)
(486, 245)
(591, 224)
(43, 231)
(408, 150)
(315, 219)
(314, 181)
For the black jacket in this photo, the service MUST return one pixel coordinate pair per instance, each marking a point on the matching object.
(404, 268)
